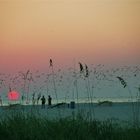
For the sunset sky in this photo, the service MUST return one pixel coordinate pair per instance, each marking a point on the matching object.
(91, 31)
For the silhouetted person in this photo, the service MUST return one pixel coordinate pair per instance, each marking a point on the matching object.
(43, 101)
(49, 100)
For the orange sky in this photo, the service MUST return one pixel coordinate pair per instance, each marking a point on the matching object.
(92, 31)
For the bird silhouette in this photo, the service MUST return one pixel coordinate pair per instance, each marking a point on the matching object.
(81, 67)
(122, 81)
(51, 63)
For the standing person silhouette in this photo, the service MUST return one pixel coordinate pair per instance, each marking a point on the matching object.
(49, 100)
(43, 101)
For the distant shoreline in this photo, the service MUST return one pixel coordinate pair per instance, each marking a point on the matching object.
(80, 103)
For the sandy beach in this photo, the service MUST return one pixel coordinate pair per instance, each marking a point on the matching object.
(120, 111)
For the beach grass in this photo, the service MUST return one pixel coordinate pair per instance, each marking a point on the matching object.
(19, 126)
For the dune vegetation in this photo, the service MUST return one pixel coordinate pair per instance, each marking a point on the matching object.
(30, 127)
